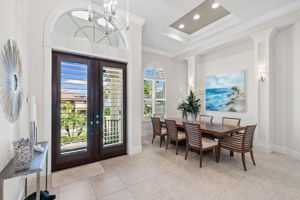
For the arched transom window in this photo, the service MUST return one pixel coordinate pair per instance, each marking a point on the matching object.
(154, 91)
(75, 24)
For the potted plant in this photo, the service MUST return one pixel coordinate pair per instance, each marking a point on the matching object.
(191, 106)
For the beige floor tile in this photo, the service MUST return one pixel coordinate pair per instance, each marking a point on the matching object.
(135, 176)
(79, 193)
(157, 174)
(122, 194)
(107, 185)
(147, 190)
(75, 174)
(74, 185)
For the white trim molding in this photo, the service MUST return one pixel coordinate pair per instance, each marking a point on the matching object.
(262, 147)
(157, 51)
(135, 150)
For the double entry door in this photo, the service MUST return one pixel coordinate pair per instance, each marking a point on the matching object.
(88, 110)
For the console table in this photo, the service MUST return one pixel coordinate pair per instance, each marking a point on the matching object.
(38, 161)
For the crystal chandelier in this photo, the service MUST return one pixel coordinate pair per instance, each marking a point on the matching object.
(113, 21)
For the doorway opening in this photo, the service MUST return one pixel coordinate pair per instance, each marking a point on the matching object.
(88, 110)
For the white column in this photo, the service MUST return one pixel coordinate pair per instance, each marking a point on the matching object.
(262, 64)
(191, 72)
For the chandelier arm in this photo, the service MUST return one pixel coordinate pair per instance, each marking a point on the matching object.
(79, 28)
(102, 30)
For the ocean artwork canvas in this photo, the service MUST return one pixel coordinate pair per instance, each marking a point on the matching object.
(226, 92)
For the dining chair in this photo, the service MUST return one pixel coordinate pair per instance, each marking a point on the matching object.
(173, 134)
(206, 118)
(160, 116)
(195, 141)
(158, 130)
(231, 122)
(241, 143)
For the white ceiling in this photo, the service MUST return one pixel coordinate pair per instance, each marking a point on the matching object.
(159, 14)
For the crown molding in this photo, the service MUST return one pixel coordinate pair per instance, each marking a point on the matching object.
(157, 51)
(136, 20)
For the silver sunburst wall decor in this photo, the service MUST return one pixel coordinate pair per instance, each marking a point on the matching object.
(11, 95)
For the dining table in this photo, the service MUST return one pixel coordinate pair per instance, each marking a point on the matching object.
(216, 130)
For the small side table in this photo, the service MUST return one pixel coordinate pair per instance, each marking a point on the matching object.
(38, 161)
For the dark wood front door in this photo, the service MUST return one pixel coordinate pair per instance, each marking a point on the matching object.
(88, 110)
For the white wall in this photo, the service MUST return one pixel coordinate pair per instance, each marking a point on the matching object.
(285, 92)
(14, 26)
(232, 59)
(176, 78)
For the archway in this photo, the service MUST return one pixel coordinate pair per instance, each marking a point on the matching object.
(132, 47)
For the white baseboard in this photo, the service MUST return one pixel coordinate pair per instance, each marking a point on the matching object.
(286, 151)
(278, 149)
(262, 147)
(135, 150)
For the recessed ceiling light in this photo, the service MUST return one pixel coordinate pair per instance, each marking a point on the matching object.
(196, 17)
(215, 5)
(181, 26)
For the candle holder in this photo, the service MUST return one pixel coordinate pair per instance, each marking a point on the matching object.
(33, 131)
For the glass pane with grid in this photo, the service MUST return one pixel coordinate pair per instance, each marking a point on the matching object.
(160, 107)
(160, 90)
(73, 107)
(113, 106)
(147, 108)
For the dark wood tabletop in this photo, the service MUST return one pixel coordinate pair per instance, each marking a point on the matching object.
(215, 129)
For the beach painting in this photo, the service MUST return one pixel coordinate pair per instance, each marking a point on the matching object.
(226, 92)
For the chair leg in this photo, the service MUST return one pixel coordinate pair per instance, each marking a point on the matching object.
(161, 138)
(244, 162)
(217, 154)
(186, 152)
(153, 138)
(168, 140)
(231, 154)
(201, 154)
(176, 147)
(252, 157)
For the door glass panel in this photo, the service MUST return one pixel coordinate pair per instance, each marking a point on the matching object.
(73, 107)
(112, 106)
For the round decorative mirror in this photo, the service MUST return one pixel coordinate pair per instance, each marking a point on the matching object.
(11, 95)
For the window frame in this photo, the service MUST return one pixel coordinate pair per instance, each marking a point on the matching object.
(154, 87)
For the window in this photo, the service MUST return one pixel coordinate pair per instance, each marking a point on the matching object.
(75, 24)
(154, 91)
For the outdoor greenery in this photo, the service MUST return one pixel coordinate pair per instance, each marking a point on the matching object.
(72, 122)
(147, 93)
(147, 88)
(190, 106)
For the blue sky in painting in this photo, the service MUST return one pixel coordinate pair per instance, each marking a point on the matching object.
(225, 80)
